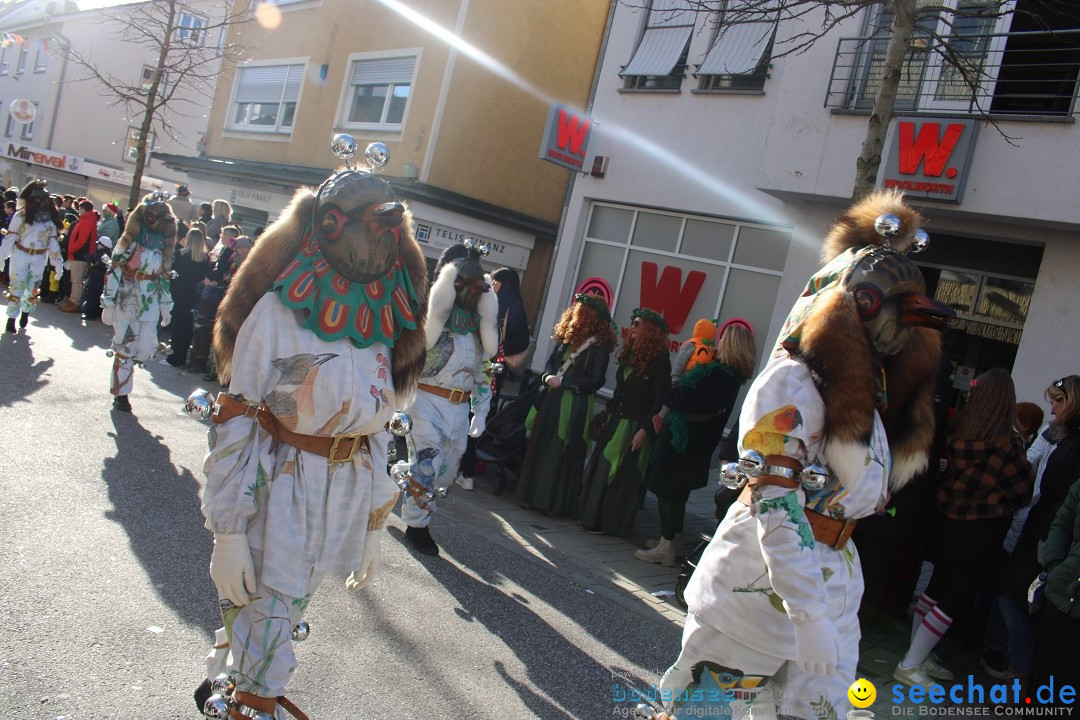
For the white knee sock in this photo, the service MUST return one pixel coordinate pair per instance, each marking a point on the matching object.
(923, 605)
(933, 627)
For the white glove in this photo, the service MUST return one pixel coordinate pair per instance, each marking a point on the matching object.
(231, 567)
(360, 579)
(108, 314)
(66, 265)
(477, 426)
(817, 647)
(166, 316)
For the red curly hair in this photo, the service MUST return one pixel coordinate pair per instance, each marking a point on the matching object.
(578, 322)
(639, 351)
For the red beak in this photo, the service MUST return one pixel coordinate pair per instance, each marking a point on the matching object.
(920, 311)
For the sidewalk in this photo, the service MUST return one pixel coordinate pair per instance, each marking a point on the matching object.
(606, 566)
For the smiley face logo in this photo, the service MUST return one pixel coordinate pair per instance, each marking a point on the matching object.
(862, 693)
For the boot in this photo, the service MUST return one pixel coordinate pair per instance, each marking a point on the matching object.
(11, 325)
(23, 319)
(663, 553)
(121, 402)
(202, 694)
(680, 549)
(421, 540)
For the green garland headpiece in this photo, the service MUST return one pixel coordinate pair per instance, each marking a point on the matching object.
(650, 315)
(597, 304)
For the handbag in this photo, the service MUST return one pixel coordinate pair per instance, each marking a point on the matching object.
(597, 425)
(514, 363)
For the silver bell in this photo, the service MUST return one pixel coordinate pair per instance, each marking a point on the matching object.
(751, 463)
(200, 405)
(813, 477)
(484, 249)
(920, 241)
(263, 716)
(400, 424)
(377, 155)
(730, 476)
(216, 707)
(887, 226)
(343, 146)
(223, 684)
(301, 631)
(498, 368)
(442, 492)
(109, 353)
(399, 473)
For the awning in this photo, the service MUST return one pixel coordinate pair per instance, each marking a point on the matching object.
(663, 42)
(738, 49)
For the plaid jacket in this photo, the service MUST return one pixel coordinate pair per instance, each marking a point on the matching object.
(985, 479)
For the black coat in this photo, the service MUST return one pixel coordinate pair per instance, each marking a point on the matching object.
(189, 277)
(586, 374)
(639, 397)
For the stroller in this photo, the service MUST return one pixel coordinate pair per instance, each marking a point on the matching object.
(503, 443)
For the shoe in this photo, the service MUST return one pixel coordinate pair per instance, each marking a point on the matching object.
(465, 483)
(23, 319)
(594, 531)
(167, 361)
(121, 402)
(913, 676)
(995, 664)
(10, 326)
(680, 549)
(202, 694)
(421, 540)
(67, 306)
(933, 667)
(663, 553)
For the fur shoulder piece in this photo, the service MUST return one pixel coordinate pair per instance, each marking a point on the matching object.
(440, 302)
(855, 228)
(489, 321)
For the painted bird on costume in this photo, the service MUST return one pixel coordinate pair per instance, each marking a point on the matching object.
(292, 392)
(770, 434)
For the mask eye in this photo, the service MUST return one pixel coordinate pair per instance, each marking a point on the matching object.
(867, 301)
(332, 223)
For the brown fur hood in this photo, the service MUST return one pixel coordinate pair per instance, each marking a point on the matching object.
(134, 225)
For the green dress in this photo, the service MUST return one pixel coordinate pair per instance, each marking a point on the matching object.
(550, 478)
(614, 479)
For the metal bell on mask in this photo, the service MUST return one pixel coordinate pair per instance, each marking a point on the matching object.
(920, 241)
(200, 405)
(343, 146)
(887, 226)
(377, 155)
(301, 631)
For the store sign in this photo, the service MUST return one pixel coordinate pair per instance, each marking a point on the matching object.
(566, 137)
(668, 294)
(255, 200)
(502, 254)
(930, 157)
(46, 158)
(120, 177)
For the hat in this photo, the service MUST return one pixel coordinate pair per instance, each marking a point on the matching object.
(105, 240)
(182, 190)
(243, 240)
(112, 207)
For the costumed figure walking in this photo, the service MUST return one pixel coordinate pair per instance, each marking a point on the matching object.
(319, 338)
(558, 430)
(841, 416)
(462, 334)
(137, 294)
(31, 238)
(615, 476)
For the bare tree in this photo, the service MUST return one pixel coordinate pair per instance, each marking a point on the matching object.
(186, 48)
(929, 26)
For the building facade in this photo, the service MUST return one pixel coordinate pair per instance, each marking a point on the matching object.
(458, 92)
(723, 166)
(77, 137)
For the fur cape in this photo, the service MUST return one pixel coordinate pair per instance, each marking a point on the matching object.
(134, 225)
(272, 253)
(441, 302)
(835, 347)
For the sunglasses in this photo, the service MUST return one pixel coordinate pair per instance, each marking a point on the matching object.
(635, 323)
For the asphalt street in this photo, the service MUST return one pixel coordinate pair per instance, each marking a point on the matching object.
(108, 608)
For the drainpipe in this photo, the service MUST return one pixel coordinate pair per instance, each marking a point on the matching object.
(59, 87)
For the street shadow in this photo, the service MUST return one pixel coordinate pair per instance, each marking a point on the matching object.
(554, 663)
(158, 507)
(22, 376)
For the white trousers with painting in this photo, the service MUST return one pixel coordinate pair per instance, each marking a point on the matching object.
(134, 341)
(440, 432)
(24, 273)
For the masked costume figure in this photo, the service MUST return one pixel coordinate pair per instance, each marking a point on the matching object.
(462, 334)
(320, 337)
(137, 294)
(773, 603)
(30, 239)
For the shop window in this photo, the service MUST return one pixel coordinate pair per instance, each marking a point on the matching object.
(610, 223)
(659, 232)
(762, 247)
(378, 92)
(738, 58)
(709, 240)
(659, 61)
(266, 97)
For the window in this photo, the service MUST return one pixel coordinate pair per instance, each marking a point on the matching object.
(28, 128)
(40, 59)
(378, 92)
(5, 61)
(659, 62)
(9, 129)
(738, 58)
(191, 29)
(23, 54)
(148, 75)
(266, 97)
(131, 150)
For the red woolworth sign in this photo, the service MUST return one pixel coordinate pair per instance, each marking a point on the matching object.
(669, 295)
(930, 157)
(566, 137)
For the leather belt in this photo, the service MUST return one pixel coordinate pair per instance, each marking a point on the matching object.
(139, 274)
(454, 395)
(263, 705)
(338, 448)
(829, 531)
(27, 250)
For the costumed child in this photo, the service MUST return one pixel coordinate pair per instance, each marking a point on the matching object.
(137, 293)
(462, 334)
(841, 416)
(31, 238)
(319, 337)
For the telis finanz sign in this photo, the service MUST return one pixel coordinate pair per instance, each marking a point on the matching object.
(566, 137)
(930, 157)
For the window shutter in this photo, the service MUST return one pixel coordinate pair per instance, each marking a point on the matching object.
(664, 40)
(261, 84)
(738, 49)
(383, 71)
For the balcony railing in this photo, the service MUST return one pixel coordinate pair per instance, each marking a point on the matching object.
(1024, 73)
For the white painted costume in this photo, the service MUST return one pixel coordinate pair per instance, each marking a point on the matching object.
(29, 246)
